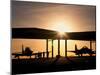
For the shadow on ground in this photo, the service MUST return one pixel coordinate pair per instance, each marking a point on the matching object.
(24, 66)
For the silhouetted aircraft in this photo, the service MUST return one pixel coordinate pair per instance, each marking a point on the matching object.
(26, 52)
(83, 50)
(29, 52)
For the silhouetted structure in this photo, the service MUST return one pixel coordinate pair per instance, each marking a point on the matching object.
(36, 33)
(83, 50)
(26, 52)
(56, 64)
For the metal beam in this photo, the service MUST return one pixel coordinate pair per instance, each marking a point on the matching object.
(58, 46)
(47, 48)
(66, 48)
(52, 48)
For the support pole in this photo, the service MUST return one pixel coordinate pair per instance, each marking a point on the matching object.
(65, 47)
(47, 48)
(52, 48)
(59, 47)
(43, 54)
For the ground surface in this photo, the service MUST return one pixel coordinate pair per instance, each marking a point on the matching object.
(24, 66)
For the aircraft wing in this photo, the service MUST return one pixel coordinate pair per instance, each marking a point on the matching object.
(20, 54)
(34, 53)
(39, 52)
(16, 53)
(72, 51)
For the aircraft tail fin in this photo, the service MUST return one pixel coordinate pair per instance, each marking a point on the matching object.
(75, 47)
(76, 50)
(22, 49)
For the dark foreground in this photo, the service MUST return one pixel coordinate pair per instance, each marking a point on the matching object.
(24, 66)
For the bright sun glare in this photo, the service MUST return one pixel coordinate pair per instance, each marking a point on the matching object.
(61, 28)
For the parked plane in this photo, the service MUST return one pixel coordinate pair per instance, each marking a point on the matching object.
(83, 50)
(29, 52)
(26, 52)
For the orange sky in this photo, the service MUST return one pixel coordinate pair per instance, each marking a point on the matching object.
(40, 45)
(51, 16)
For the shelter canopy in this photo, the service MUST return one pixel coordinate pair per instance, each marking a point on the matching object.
(37, 33)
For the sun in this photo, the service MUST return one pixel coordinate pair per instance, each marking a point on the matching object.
(61, 28)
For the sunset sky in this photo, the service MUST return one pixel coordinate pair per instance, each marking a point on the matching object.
(59, 17)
